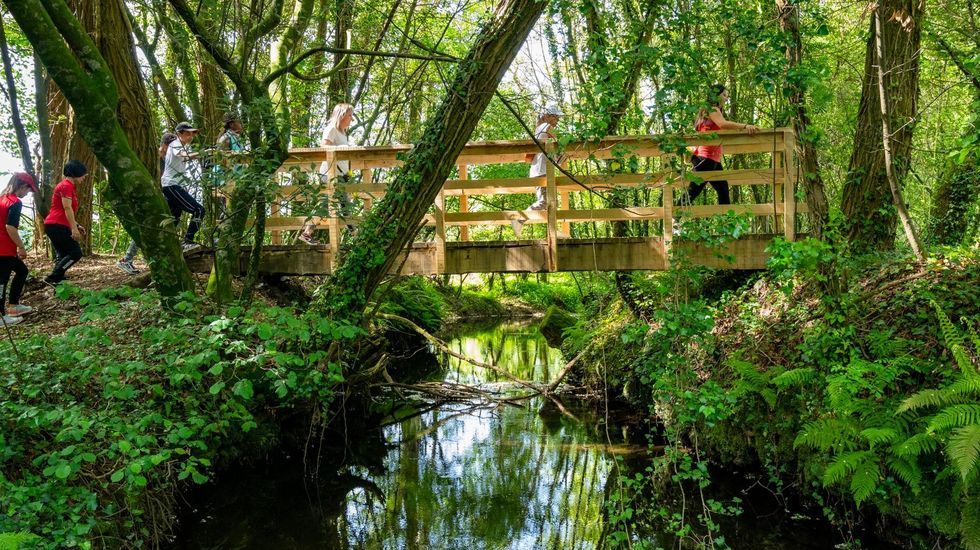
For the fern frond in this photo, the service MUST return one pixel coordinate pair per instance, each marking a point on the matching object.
(879, 435)
(955, 342)
(964, 449)
(794, 377)
(749, 373)
(843, 466)
(824, 433)
(927, 398)
(916, 445)
(956, 416)
(865, 480)
(970, 521)
(906, 470)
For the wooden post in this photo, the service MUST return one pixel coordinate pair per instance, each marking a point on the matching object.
(333, 233)
(566, 203)
(276, 235)
(778, 168)
(464, 204)
(552, 205)
(440, 237)
(367, 177)
(789, 184)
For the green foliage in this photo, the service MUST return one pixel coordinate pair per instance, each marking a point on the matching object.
(415, 298)
(102, 423)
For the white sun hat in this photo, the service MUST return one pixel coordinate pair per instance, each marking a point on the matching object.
(552, 109)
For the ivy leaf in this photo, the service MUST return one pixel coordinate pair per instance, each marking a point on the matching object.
(63, 471)
(216, 388)
(244, 389)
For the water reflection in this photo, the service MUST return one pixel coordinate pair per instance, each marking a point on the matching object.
(462, 476)
(490, 478)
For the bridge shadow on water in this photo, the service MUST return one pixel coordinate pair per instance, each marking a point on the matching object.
(471, 475)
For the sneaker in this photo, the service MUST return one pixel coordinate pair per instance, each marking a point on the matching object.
(539, 206)
(128, 267)
(11, 320)
(189, 246)
(47, 280)
(16, 310)
(308, 239)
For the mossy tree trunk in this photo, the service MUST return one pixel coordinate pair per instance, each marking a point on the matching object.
(813, 186)
(393, 222)
(268, 143)
(74, 62)
(867, 202)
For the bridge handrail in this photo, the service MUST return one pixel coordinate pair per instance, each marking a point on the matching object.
(782, 175)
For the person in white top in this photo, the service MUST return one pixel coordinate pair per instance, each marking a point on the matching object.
(177, 174)
(547, 121)
(335, 134)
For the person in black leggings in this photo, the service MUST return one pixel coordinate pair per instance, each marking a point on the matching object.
(60, 225)
(707, 158)
(12, 248)
(176, 175)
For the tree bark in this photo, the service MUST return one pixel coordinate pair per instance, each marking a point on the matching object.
(907, 226)
(813, 186)
(959, 184)
(338, 91)
(867, 201)
(394, 221)
(57, 37)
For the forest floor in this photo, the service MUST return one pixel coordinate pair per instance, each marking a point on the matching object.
(53, 315)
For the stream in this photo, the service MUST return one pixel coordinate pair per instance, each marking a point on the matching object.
(472, 475)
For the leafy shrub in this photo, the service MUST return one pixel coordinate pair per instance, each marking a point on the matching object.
(99, 425)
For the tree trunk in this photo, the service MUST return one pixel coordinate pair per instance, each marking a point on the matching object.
(954, 199)
(18, 123)
(394, 221)
(816, 197)
(42, 199)
(867, 201)
(133, 194)
(338, 90)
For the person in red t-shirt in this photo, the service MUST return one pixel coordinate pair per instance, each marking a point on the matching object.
(708, 157)
(60, 225)
(12, 248)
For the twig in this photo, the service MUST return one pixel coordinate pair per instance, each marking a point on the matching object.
(442, 346)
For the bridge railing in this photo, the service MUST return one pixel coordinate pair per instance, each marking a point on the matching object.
(571, 192)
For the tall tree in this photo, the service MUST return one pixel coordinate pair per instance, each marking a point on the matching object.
(813, 186)
(867, 201)
(395, 220)
(74, 62)
(959, 183)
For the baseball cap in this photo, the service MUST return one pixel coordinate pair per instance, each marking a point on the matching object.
(185, 127)
(27, 179)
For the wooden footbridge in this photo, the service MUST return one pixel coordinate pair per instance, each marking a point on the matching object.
(469, 231)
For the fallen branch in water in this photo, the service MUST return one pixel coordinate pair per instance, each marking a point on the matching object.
(442, 346)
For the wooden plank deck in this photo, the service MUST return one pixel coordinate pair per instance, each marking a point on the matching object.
(525, 256)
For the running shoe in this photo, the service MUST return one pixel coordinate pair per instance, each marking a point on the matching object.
(16, 310)
(190, 246)
(128, 267)
(9, 320)
(308, 239)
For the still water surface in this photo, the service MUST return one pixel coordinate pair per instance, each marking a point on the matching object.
(467, 476)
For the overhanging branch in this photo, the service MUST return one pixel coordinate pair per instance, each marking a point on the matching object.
(291, 66)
